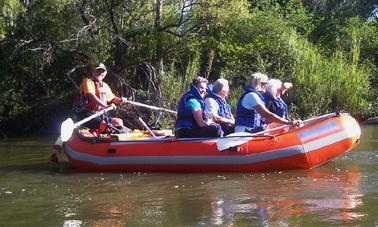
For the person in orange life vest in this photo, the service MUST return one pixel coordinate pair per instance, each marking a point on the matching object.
(99, 96)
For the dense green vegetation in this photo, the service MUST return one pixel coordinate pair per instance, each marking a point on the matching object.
(328, 49)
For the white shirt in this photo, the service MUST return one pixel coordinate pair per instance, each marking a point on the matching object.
(211, 108)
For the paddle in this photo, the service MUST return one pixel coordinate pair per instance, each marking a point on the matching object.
(239, 138)
(68, 125)
(146, 126)
(150, 107)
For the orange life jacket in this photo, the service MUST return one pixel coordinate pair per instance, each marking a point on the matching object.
(101, 94)
(82, 102)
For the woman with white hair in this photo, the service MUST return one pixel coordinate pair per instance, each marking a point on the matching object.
(273, 101)
(251, 113)
(217, 108)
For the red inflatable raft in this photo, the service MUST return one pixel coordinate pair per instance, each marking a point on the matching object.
(317, 141)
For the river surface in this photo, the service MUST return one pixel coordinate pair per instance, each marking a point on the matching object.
(342, 192)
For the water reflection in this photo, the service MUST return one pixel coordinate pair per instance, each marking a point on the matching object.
(346, 198)
(343, 192)
(333, 194)
(320, 196)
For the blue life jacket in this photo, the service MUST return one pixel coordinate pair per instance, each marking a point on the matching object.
(276, 105)
(185, 118)
(246, 117)
(224, 108)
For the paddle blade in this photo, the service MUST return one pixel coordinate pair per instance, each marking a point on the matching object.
(66, 129)
(233, 140)
(58, 142)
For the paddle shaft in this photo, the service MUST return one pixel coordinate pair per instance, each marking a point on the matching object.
(304, 122)
(94, 115)
(146, 126)
(150, 107)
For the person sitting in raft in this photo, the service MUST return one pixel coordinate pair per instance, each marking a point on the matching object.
(191, 120)
(217, 108)
(96, 95)
(251, 113)
(274, 90)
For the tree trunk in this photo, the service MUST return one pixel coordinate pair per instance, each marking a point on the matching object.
(159, 38)
(207, 66)
(159, 64)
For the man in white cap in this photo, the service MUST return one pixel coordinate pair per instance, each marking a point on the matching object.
(96, 95)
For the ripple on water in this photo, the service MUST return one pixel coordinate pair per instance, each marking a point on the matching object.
(343, 192)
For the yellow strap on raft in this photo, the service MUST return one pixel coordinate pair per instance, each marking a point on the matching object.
(134, 135)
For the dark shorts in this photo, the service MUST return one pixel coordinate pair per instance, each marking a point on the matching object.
(227, 129)
(213, 130)
(255, 130)
(95, 122)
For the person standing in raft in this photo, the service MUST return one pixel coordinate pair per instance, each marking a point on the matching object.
(217, 108)
(96, 95)
(275, 104)
(251, 113)
(191, 120)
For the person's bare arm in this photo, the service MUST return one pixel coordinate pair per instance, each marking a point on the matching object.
(197, 114)
(95, 99)
(285, 86)
(269, 116)
(219, 119)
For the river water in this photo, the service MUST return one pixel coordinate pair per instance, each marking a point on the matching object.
(343, 192)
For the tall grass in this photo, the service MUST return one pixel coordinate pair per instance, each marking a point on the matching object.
(325, 84)
(174, 85)
(322, 84)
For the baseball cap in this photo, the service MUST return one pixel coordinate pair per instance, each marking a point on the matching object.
(101, 66)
